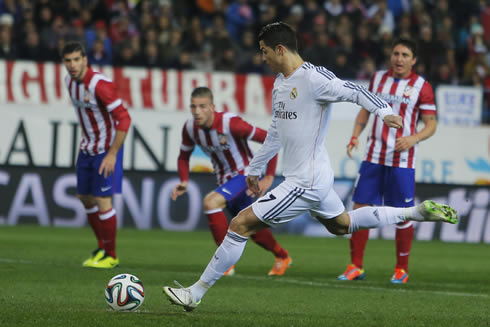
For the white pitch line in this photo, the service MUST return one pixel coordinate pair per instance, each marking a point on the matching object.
(294, 281)
(343, 285)
(374, 288)
(26, 262)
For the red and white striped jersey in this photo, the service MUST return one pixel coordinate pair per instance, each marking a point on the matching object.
(95, 102)
(409, 98)
(226, 144)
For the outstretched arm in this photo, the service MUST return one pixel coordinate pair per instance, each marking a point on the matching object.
(329, 88)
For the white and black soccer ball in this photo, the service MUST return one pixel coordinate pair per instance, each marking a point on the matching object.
(124, 292)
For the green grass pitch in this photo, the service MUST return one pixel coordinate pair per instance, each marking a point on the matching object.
(42, 282)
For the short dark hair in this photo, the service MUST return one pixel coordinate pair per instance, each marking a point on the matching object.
(279, 33)
(409, 43)
(73, 46)
(202, 92)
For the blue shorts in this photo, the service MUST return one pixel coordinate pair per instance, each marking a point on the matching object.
(89, 182)
(384, 185)
(235, 193)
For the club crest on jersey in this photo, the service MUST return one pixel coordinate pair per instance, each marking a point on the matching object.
(408, 90)
(293, 94)
(222, 139)
(86, 97)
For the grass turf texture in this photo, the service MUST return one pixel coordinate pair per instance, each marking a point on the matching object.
(43, 284)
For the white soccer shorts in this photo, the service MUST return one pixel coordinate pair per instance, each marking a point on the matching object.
(287, 201)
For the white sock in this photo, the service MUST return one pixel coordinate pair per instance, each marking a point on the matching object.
(414, 214)
(226, 255)
(374, 217)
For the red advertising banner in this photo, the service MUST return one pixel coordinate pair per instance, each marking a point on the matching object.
(26, 82)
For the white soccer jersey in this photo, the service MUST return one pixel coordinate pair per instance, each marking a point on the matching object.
(299, 123)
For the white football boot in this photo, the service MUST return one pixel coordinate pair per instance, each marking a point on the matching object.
(181, 296)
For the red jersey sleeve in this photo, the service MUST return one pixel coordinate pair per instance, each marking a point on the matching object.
(426, 103)
(259, 136)
(105, 93)
(241, 128)
(186, 149)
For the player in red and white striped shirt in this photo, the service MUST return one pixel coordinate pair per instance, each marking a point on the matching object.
(104, 123)
(224, 138)
(387, 175)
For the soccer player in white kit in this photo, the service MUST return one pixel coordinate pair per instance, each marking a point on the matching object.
(300, 98)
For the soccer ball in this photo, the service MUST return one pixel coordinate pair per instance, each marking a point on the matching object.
(124, 292)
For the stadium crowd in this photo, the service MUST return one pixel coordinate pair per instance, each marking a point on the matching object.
(350, 37)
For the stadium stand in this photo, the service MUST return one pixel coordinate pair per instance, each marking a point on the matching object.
(353, 37)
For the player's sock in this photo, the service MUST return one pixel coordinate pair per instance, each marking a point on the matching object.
(108, 221)
(413, 213)
(404, 237)
(374, 217)
(226, 255)
(265, 239)
(198, 289)
(218, 224)
(94, 222)
(358, 242)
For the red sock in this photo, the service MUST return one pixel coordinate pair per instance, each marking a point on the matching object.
(218, 224)
(403, 238)
(94, 222)
(265, 239)
(108, 221)
(358, 242)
